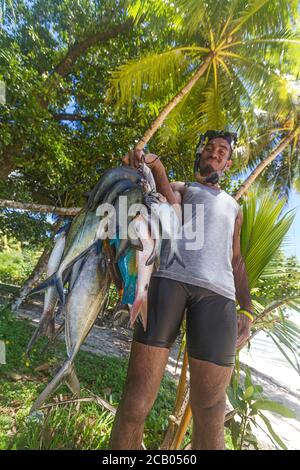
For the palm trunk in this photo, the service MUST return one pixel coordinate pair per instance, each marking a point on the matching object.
(259, 169)
(63, 211)
(176, 420)
(177, 423)
(171, 105)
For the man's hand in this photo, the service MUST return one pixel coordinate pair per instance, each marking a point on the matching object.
(133, 158)
(244, 328)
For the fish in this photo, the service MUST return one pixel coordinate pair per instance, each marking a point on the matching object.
(83, 239)
(170, 226)
(117, 189)
(46, 322)
(144, 272)
(109, 178)
(133, 196)
(87, 230)
(149, 185)
(128, 271)
(155, 230)
(82, 308)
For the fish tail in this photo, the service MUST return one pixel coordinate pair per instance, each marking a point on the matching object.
(43, 325)
(135, 309)
(72, 381)
(121, 250)
(144, 313)
(151, 258)
(174, 255)
(66, 374)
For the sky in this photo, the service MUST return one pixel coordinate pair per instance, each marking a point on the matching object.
(293, 234)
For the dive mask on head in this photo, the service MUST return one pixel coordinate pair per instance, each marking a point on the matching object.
(230, 137)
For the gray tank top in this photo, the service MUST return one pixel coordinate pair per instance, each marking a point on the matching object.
(211, 213)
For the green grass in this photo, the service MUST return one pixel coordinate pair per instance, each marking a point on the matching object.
(73, 426)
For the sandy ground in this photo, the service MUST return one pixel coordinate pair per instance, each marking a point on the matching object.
(281, 383)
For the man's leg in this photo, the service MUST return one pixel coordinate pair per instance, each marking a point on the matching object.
(211, 339)
(208, 383)
(145, 371)
(148, 359)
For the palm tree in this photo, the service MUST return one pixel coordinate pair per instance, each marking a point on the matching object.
(220, 69)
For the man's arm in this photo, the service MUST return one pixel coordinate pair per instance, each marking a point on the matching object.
(163, 186)
(241, 283)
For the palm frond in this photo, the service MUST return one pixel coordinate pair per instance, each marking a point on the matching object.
(152, 74)
(270, 89)
(196, 15)
(253, 8)
(146, 9)
(262, 16)
(286, 336)
(263, 231)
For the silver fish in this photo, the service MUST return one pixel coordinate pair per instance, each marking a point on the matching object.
(109, 178)
(144, 272)
(82, 308)
(50, 300)
(171, 229)
(81, 242)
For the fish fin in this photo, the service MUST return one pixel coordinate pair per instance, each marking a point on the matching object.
(135, 310)
(151, 258)
(174, 255)
(50, 281)
(121, 250)
(63, 374)
(53, 280)
(137, 244)
(144, 313)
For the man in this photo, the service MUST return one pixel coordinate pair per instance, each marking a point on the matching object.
(213, 277)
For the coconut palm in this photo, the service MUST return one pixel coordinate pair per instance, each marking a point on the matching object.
(224, 64)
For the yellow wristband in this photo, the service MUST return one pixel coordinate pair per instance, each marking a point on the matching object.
(248, 314)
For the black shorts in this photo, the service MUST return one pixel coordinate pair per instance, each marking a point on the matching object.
(211, 320)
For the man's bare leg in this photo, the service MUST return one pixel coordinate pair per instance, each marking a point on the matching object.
(145, 371)
(208, 383)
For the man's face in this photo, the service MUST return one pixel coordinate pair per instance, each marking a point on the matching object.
(215, 156)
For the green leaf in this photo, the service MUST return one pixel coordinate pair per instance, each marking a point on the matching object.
(273, 406)
(272, 432)
(248, 392)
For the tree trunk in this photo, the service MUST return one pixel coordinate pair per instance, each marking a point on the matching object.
(63, 69)
(32, 279)
(39, 269)
(65, 66)
(171, 105)
(259, 169)
(25, 206)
